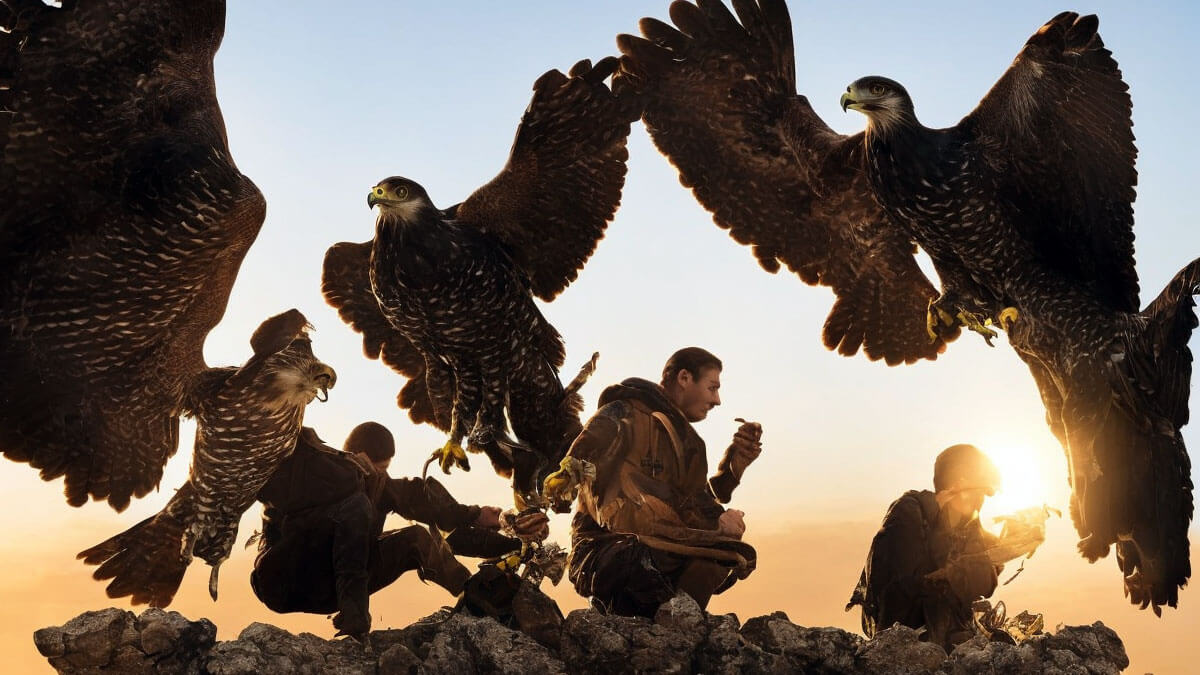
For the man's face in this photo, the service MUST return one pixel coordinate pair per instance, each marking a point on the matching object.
(965, 502)
(695, 396)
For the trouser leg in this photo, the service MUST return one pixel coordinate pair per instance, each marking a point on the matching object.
(296, 574)
(415, 548)
(700, 578)
(351, 558)
(480, 542)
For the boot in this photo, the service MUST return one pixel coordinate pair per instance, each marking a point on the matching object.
(439, 565)
(479, 542)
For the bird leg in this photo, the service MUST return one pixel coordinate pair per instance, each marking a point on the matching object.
(450, 454)
(935, 318)
(971, 321)
(955, 309)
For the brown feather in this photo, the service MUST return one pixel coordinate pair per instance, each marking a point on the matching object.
(111, 287)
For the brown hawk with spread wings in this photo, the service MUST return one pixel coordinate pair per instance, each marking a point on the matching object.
(123, 222)
(1024, 207)
(248, 420)
(445, 297)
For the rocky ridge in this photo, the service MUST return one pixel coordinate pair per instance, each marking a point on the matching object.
(680, 639)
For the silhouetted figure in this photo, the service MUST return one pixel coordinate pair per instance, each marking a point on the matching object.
(323, 548)
(931, 558)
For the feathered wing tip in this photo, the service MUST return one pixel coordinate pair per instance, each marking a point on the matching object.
(147, 561)
(1142, 499)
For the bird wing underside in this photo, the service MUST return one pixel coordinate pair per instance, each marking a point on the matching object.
(1057, 132)
(122, 229)
(721, 104)
(562, 184)
(346, 285)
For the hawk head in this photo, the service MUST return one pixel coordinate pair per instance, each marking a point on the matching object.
(283, 362)
(885, 102)
(400, 198)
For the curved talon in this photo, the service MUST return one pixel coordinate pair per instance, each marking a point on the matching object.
(972, 322)
(451, 454)
(1007, 317)
(934, 316)
(562, 487)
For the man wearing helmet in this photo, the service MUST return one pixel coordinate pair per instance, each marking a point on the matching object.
(932, 559)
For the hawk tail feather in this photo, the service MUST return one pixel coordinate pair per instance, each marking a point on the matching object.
(147, 561)
(1142, 499)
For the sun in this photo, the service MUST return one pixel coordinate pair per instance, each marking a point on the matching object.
(1027, 479)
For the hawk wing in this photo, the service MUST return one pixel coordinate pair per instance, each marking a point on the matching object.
(721, 104)
(122, 227)
(346, 285)
(562, 184)
(1057, 128)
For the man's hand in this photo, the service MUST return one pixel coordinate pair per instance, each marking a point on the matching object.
(745, 448)
(731, 524)
(529, 525)
(489, 518)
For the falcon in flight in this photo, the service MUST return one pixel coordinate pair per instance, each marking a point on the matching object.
(446, 296)
(1024, 207)
(248, 420)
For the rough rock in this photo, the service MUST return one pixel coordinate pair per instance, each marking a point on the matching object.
(680, 639)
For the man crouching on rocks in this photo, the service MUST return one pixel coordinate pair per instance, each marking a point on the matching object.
(324, 548)
(650, 522)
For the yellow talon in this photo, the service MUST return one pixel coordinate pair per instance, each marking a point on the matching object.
(933, 316)
(510, 562)
(972, 322)
(1007, 317)
(452, 454)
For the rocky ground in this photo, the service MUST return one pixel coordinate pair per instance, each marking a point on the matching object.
(680, 639)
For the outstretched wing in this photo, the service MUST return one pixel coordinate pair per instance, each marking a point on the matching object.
(346, 285)
(721, 104)
(562, 184)
(1057, 128)
(122, 227)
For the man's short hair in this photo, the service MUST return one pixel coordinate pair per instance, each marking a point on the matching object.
(373, 440)
(692, 359)
(969, 463)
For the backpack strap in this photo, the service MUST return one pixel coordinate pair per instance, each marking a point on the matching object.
(676, 444)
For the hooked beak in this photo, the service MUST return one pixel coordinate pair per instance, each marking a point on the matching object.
(324, 379)
(847, 101)
(371, 200)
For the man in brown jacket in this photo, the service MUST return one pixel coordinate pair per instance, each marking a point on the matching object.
(651, 521)
(323, 547)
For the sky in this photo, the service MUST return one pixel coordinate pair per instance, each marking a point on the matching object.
(321, 103)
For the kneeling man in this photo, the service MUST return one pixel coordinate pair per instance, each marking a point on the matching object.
(650, 521)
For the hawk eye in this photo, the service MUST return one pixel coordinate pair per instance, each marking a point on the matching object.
(402, 192)
(877, 89)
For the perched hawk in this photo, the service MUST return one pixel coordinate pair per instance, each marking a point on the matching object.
(123, 222)
(1024, 208)
(248, 420)
(445, 297)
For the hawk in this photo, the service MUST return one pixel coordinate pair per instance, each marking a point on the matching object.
(1024, 207)
(445, 296)
(123, 222)
(248, 420)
